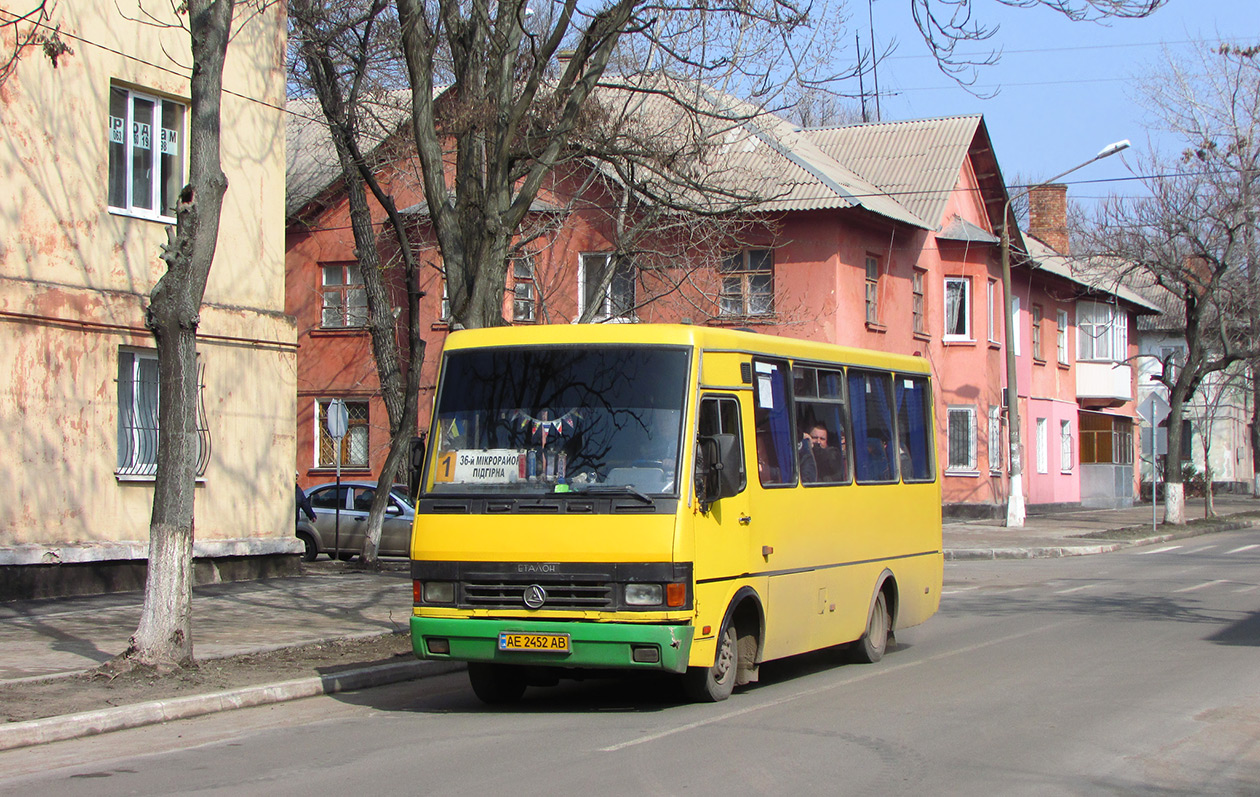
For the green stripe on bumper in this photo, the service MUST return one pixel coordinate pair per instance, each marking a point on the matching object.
(595, 645)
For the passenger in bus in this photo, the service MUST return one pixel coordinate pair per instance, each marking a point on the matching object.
(767, 471)
(879, 460)
(821, 462)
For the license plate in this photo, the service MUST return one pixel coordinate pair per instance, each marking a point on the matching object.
(549, 643)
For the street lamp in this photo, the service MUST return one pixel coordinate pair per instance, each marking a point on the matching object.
(1015, 500)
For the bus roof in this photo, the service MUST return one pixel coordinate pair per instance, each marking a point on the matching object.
(704, 338)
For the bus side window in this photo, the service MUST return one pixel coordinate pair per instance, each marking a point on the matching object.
(776, 450)
(822, 426)
(720, 415)
(914, 428)
(871, 413)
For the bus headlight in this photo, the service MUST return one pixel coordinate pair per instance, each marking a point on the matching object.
(439, 592)
(644, 594)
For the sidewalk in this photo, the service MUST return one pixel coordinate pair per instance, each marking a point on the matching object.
(48, 638)
(1060, 534)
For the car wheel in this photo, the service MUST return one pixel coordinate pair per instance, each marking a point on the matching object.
(496, 684)
(870, 648)
(312, 550)
(714, 684)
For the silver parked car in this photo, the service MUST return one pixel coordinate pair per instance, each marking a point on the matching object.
(354, 499)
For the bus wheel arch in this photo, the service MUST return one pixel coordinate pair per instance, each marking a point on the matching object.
(880, 622)
(738, 651)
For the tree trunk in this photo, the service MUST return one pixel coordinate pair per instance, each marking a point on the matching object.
(1174, 490)
(164, 635)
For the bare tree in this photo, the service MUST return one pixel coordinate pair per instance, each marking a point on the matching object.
(342, 53)
(1209, 405)
(27, 29)
(1194, 236)
(164, 635)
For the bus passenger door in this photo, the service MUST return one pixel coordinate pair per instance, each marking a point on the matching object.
(722, 529)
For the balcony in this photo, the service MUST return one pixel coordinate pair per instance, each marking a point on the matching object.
(1104, 384)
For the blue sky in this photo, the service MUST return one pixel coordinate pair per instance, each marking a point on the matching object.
(1065, 90)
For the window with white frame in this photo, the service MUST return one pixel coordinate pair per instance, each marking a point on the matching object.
(1061, 318)
(138, 415)
(354, 446)
(872, 290)
(1015, 320)
(1043, 456)
(1102, 332)
(962, 438)
(612, 296)
(747, 283)
(146, 153)
(1065, 446)
(444, 311)
(994, 311)
(343, 295)
(957, 308)
(995, 439)
(524, 290)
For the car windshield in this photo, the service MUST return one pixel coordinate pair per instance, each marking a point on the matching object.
(513, 421)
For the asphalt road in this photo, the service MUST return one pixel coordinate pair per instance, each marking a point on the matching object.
(1135, 672)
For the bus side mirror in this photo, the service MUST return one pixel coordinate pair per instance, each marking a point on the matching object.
(717, 468)
(415, 457)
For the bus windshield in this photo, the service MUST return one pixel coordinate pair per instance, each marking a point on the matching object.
(520, 421)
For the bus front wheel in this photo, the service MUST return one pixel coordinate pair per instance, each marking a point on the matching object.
(870, 648)
(496, 684)
(712, 684)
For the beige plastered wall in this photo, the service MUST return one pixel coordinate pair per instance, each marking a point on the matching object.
(75, 278)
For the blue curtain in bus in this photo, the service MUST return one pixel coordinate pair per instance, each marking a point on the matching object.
(914, 432)
(781, 427)
(857, 416)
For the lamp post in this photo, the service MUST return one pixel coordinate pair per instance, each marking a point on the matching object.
(1015, 499)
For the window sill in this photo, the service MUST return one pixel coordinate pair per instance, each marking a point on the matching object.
(875, 327)
(1065, 366)
(140, 215)
(1039, 361)
(148, 477)
(994, 474)
(741, 320)
(338, 332)
(995, 345)
(973, 474)
(951, 341)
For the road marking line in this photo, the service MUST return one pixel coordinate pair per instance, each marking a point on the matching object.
(1159, 550)
(1074, 589)
(1244, 548)
(1252, 588)
(956, 591)
(652, 737)
(1201, 586)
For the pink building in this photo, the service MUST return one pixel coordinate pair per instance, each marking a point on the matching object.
(881, 236)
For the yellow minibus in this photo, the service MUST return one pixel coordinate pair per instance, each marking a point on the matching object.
(669, 497)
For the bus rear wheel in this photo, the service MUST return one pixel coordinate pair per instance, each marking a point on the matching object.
(870, 648)
(713, 684)
(496, 684)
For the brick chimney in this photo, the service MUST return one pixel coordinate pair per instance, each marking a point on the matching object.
(1047, 216)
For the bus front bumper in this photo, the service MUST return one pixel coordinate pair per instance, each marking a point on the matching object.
(623, 646)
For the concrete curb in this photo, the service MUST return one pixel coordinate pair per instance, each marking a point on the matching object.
(90, 723)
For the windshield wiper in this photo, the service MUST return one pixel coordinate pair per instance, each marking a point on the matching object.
(613, 489)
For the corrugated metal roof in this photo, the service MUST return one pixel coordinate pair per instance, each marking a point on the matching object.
(1087, 273)
(915, 163)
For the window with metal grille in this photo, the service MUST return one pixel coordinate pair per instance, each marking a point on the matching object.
(962, 438)
(138, 415)
(995, 439)
(344, 298)
(747, 283)
(354, 446)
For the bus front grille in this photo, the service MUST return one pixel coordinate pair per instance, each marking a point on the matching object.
(559, 594)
